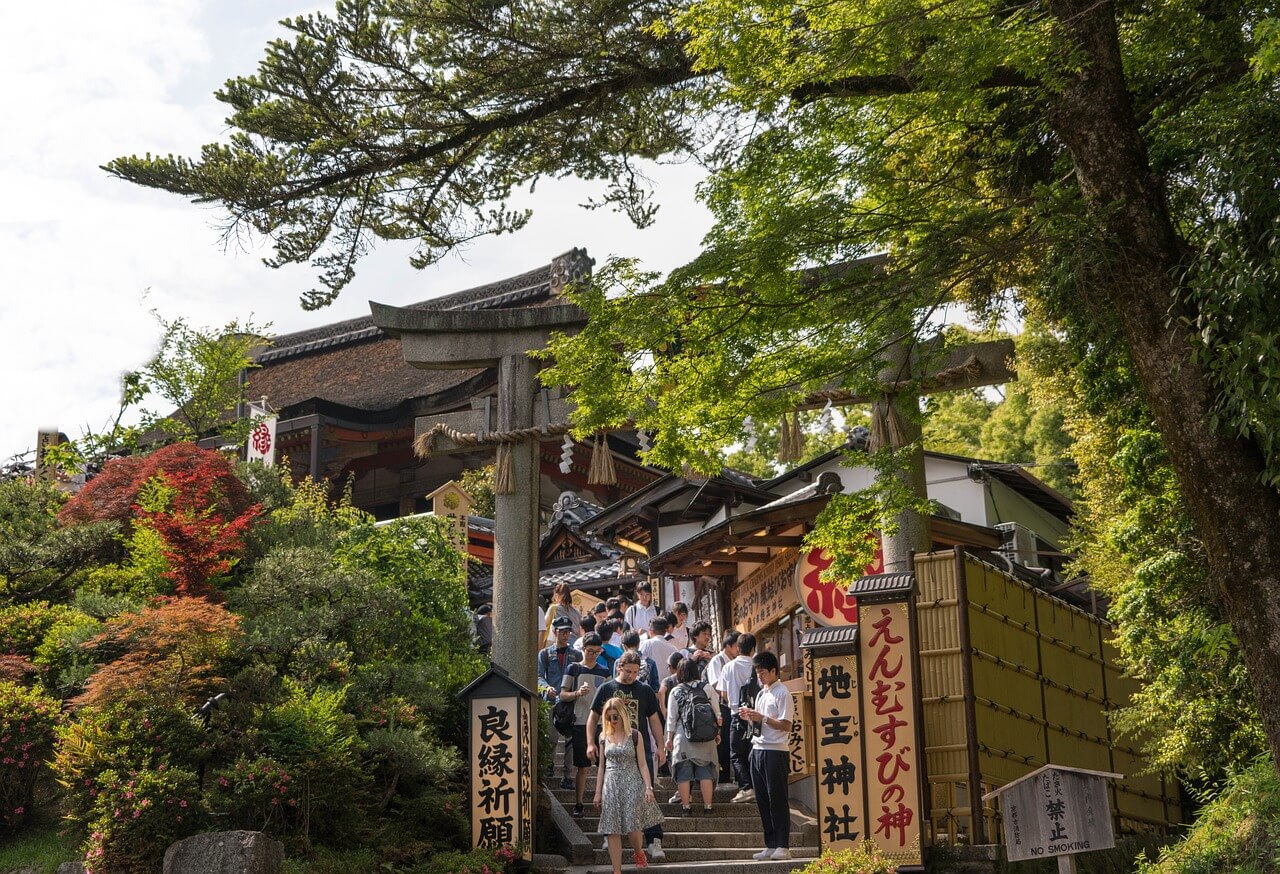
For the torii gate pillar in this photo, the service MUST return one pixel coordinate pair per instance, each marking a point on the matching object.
(461, 340)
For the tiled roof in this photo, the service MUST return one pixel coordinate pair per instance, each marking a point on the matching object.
(882, 587)
(837, 635)
(578, 576)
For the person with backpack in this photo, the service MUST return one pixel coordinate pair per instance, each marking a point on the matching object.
(693, 730)
(552, 664)
(581, 680)
(715, 667)
(738, 685)
(648, 668)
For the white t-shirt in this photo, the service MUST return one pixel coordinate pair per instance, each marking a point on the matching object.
(542, 620)
(715, 667)
(734, 676)
(659, 649)
(775, 703)
(680, 637)
(639, 616)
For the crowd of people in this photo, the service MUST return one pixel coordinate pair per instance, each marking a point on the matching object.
(638, 693)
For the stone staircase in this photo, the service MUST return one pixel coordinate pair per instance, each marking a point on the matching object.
(723, 840)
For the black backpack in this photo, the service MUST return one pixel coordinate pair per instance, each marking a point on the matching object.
(748, 692)
(697, 715)
(563, 713)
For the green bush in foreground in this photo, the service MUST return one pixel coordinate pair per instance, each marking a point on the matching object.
(866, 859)
(1239, 831)
(28, 721)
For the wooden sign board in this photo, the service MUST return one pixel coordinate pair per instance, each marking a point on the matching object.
(842, 820)
(501, 754)
(1056, 811)
(765, 595)
(800, 739)
(891, 724)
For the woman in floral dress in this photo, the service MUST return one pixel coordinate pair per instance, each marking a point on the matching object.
(623, 782)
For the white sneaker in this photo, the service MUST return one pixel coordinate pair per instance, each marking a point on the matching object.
(655, 851)
(674, 799)
(764, 855)
(780, 854)
(747, 794)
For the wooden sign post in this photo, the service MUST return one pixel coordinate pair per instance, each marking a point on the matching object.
(1056, 811)
(503, 719)
(831, 669)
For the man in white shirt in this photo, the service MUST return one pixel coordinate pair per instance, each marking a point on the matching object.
(770, 750)
(715, 667)
(735, 675)
(641, 613)
(656, 646)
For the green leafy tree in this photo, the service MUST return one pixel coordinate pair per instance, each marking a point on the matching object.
(40, 559)
(1112, 165)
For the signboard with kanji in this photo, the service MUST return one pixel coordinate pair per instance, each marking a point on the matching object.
(765, 595)
(840, 773)
(890, 727)
(1056, 811)
(501, 752)
(825, 601)
(800, 739)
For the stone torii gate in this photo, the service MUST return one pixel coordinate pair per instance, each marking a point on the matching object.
(461, 340)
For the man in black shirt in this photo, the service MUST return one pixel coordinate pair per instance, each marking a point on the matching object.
(642, 708)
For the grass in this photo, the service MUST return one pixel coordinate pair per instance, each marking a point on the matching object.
(1238, 832)
(39, 846)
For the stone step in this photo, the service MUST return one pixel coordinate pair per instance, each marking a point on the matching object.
(723, 840)
(677, 855)
(720, 795)
(742, 825)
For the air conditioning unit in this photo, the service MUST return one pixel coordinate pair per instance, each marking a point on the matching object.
(1018, 543)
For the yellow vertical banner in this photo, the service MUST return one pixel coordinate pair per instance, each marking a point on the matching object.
(838, 761)
(891, 725)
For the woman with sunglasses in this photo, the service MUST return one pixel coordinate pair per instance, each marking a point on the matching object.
(622, 782)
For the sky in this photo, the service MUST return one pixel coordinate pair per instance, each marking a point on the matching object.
(85, 258)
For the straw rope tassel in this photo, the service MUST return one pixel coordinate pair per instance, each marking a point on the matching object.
(784, 440)
(503, 475)
(602, 472)
(797, 437)
(886, 425)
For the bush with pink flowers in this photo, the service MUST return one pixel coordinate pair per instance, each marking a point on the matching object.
(137, 815)
(259, 795)
(28, 723)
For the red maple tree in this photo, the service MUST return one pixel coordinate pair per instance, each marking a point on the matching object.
(206, 512)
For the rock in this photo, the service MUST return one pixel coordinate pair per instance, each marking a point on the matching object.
(239, 852)
(71, 868)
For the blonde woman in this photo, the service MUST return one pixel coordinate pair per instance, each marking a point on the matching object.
(622, 781)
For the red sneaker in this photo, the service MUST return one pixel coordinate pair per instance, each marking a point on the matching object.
(640, 859)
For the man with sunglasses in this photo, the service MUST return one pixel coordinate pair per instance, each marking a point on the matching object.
(642, 707)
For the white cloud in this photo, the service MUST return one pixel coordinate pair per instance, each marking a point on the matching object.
(84, 257)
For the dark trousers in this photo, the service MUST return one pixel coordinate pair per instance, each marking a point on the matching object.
(726, 774)
(769, 779)
(739, 751)
(654, 831)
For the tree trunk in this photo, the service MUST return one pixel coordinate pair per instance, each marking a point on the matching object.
(1234, 513)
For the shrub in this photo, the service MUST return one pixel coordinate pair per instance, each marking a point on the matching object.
(137, 815)
(173, 651)
(22, 628)
(127, 735)
(28, 722)
(1238, 831)
(478, 861)
(866, 859)
(61, 655)
(259, 795)
(317, 743)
